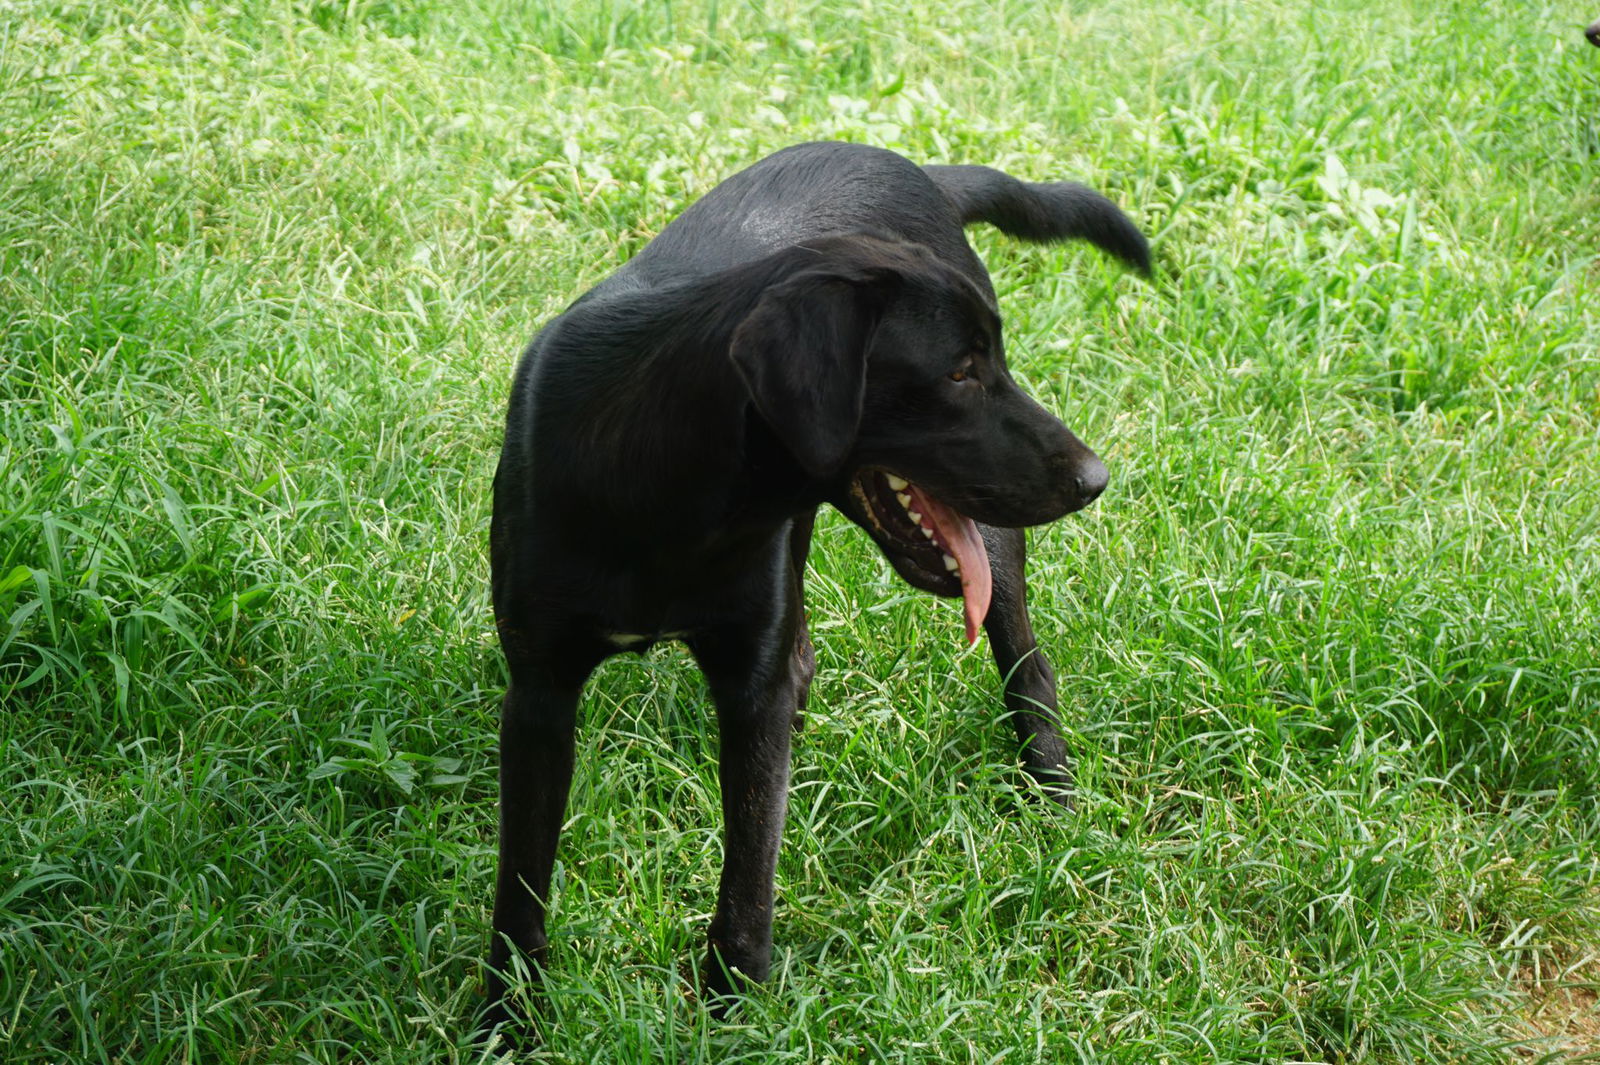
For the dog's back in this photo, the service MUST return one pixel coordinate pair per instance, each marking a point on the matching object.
(795, 195)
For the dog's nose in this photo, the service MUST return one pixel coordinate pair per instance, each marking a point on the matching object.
(1091, 479)
(1593, 33)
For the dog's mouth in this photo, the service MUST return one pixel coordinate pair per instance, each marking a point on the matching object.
(943, 545)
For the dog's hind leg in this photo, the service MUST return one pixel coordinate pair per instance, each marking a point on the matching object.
(537, 722)
(1030, 683)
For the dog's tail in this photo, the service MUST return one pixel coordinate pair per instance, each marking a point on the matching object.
(1041, 211)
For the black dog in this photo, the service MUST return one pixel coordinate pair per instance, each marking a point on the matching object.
(815, 329)
(1593, 33)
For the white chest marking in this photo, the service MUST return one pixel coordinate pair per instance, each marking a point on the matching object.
(629, 640)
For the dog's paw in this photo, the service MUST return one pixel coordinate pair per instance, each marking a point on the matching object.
(511, 1008)
(1051, 785)
(724, 984)
(500, 1028)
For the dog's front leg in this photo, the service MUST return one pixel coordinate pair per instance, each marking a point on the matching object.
(753, 676)
(805, 657)
(1030, 682)
(536, 750)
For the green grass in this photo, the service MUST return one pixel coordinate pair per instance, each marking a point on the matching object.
(1330, 645)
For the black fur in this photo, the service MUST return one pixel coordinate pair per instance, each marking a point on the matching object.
(809, 326)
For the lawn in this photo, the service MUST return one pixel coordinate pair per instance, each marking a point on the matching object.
(1328, 647)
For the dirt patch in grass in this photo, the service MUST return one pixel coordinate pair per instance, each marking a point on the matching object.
(1563, 1016)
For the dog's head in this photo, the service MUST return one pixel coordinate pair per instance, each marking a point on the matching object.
(881, 369)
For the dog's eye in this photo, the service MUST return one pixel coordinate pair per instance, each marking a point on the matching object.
(962, 372)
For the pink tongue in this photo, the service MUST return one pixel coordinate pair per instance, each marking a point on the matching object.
(960, 537)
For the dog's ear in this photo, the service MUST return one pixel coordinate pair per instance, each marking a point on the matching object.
(803, 356)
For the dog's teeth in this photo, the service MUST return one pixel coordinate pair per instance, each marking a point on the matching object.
(927, 532)
(905, 500)
(896, 483)
(914, 515)
(951, 564)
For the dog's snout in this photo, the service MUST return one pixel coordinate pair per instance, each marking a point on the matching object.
(1090, 479)
(1077, 474)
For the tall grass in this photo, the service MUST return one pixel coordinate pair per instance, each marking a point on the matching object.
(1328, 644)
